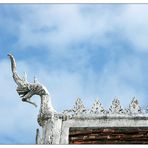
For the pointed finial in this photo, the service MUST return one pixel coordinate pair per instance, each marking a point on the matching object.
(97, 107)
(79, 106)
(134, 106)
(116, 108)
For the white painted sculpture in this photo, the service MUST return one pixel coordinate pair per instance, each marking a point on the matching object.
(26, 90)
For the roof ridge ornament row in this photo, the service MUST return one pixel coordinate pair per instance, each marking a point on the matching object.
(97, 109)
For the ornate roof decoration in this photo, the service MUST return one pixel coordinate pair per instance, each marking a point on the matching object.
(115, 108)
(97, 109)
(26, 90)
(79, 108)
(134, 107)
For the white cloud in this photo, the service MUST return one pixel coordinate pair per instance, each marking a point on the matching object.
(133, 23)
(60, 26)
(57, 26)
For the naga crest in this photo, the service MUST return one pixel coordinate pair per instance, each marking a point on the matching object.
(25, 89)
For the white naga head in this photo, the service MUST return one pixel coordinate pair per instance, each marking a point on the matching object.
(25, 89)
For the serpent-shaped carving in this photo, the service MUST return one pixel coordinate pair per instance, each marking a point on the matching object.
(26, 90)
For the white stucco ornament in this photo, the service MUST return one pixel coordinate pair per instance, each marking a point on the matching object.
(115, 108)
(26, 90)
(97, 108)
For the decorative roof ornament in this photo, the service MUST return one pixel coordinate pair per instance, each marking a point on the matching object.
(134, 107)
(26, 90)
(97, 108)
(115, 108)
(79, 107)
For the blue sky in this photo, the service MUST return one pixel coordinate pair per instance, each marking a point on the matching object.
(75, 50)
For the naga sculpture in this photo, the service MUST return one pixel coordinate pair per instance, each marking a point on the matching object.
(26, 90)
